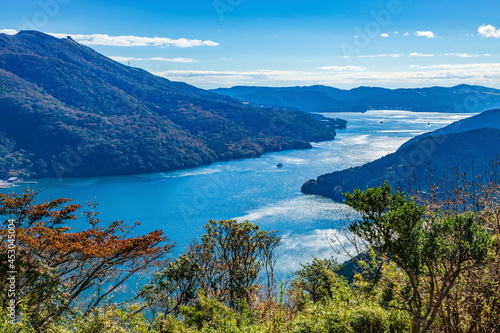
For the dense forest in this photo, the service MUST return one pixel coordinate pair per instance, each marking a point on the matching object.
(419, 264)
(68, 111)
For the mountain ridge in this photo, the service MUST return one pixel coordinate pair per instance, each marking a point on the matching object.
(67, 110)
(330, 99)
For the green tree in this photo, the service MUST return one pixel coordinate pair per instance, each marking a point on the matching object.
(314, 278)
(474, 302)
(432, 250)
(226, 264)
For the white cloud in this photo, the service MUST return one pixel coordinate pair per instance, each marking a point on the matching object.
(463, 55)
(406, 34)
(491, 66)
(127, 59)
(343, 68)
(415, 54)
(428, 34)
(384, 35)
(420, 55)
(107, 40)
(394, 55)
(488, 31)
(417, 76)
(123, 59)
(8, 31)
(186, 60)
(103, 39)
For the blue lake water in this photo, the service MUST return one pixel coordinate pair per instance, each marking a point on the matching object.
(181, 202)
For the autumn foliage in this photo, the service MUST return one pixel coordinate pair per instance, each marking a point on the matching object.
(59, 269)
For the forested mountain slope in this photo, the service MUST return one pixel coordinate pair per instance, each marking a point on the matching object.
(66, 110)
(464, 150)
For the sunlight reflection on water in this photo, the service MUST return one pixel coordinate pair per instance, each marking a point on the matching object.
(181, 202)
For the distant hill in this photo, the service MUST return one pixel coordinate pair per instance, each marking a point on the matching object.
(327, 99)
(490, 118)
(469, 145)
(66, 110)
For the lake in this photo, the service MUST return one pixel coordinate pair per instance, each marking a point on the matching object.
(181, 202)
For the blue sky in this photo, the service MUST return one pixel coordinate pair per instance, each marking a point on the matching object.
(221, 43)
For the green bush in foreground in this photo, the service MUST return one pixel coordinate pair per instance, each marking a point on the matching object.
(425, 270)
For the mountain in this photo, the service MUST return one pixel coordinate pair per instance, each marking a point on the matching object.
(66, 110)
(470, 146)
(461, 98)
(490, 118)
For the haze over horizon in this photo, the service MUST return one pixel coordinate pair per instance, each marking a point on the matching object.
(223, 43)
